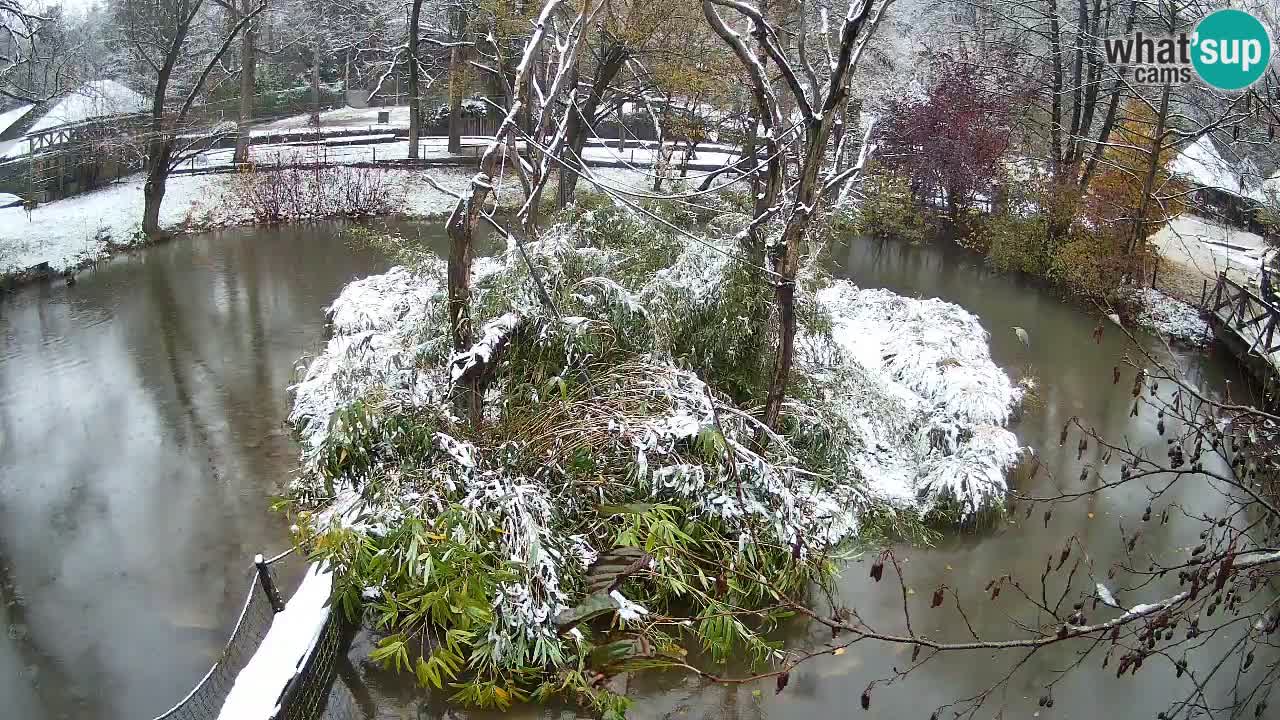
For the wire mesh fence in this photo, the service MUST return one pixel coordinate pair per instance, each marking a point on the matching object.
(313, 693)
(206, 698)
(319, 693)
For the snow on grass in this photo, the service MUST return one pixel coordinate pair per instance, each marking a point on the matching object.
(377, 326)
(283, 653)
(81, 229)
(68, 233)
(927, 406)
(1174, 318)
(341, 117)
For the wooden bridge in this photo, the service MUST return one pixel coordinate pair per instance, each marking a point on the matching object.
(1246, 323)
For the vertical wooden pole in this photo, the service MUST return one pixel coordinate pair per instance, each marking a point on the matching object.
(268, 584)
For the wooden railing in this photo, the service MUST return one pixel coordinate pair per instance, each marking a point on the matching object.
(1244, 312)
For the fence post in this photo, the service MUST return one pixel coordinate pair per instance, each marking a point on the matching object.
(1204, 290)
(268, 584)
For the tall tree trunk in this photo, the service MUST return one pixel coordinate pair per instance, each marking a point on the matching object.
(248, 83)
(457, 79)
(159, 152)
(622, 130)
(315, 83)
(1055, 90)
(1151, 172)
(415, 100)
(785, 261)
(581, 123)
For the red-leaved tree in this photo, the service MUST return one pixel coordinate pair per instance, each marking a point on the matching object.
(949, 143)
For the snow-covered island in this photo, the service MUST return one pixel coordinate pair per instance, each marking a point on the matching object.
(619, 421)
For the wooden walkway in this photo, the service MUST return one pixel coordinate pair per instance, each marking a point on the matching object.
(1239, 310)
(1247, 324)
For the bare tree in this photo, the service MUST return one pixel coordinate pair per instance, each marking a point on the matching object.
(36, 57)
(175, 47)
(818, 104)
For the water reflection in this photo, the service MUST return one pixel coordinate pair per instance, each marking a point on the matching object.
(141, 434)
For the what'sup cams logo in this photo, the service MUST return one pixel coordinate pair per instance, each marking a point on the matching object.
(1228, 50)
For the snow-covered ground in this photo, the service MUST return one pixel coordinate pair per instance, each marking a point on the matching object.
(336, 150)
(71, 232)
(1171, 317)
(344, 118)
(348, 150)
(1208, 248)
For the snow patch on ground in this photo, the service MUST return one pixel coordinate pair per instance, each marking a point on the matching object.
(1207, 248)
(85, 228)
(68, 233)
(1171, 317)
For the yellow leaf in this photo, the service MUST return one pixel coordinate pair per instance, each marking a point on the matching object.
(838, 651)
(1090, 516)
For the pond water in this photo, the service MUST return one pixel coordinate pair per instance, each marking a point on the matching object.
(141, 435)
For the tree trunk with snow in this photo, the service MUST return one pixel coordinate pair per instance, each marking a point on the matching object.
(584, 119)
(1150, 173)
(166, 124)
(818, 117)
(248, 83)
(315, 83)
(159, 154)
(415, 90)
(457, 79)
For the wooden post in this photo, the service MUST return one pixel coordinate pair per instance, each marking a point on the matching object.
(1204, 290)
(268, 585)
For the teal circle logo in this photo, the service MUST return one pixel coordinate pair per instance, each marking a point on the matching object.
(1232, 49)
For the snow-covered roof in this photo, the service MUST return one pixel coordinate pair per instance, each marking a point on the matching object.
(94, 99)
(1203, 165)
(9, 117)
